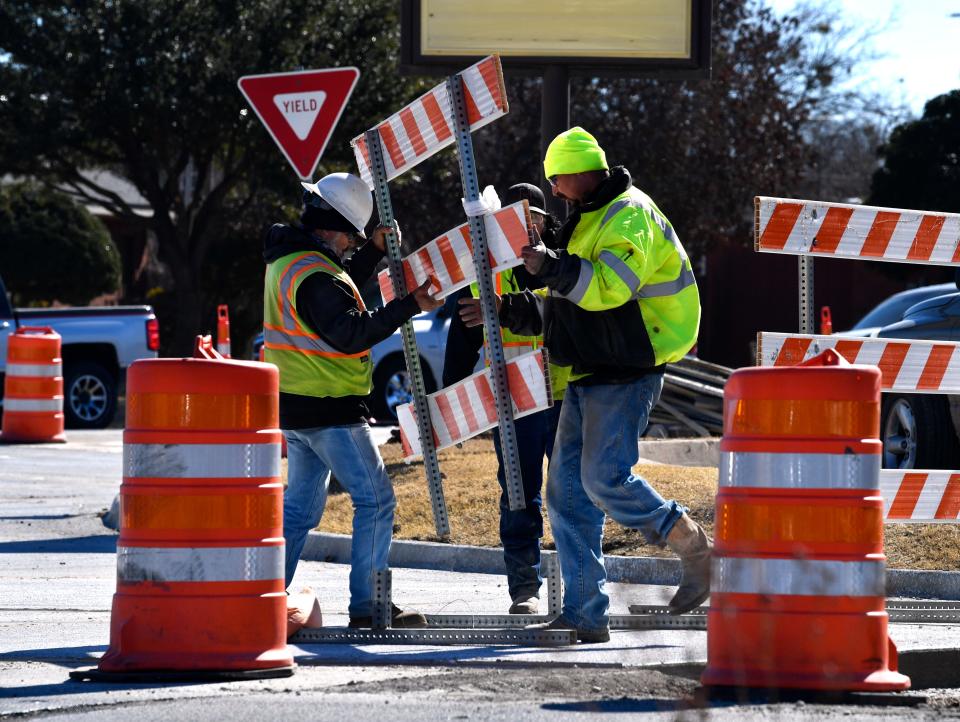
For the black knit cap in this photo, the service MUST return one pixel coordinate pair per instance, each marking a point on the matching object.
(528, 192)
(319, 215)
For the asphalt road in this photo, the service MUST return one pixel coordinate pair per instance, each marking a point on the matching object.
(57, 578)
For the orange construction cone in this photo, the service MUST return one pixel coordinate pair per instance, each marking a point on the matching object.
(223, 330)
(797, 594)
(826, 321)
(33, 387)
(200, 558)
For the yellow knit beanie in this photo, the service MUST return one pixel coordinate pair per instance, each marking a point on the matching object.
(574, 151)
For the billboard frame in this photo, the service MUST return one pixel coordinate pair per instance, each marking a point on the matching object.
(698, 65)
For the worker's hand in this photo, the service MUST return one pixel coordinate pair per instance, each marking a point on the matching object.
(472, 313)
(534, 255)
(425, 301)
(379, 236)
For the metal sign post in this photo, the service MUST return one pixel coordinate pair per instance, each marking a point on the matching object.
(481, 262)
(412, 356)
(806, 294)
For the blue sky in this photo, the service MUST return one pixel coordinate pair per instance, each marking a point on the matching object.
(920, 42)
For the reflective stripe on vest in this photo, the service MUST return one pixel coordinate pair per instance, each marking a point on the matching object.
(35, 370)
(201, 461)
(16, 404)
(799, 471)
(630, 279)
(740, 575)
(199, 564)
(308, 364)
(653, 290)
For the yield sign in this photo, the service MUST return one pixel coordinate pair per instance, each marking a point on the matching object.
(300, 110)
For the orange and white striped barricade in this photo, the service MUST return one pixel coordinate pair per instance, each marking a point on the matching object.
(223, 330)
(840, 230)
(426, 126)
(467, 408)
(200, 558)
(33, 387)
(797, 596)
(920, 496)
(448, 260)
(906, 366)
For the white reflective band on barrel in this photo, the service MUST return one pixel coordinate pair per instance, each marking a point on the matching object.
(201, 461)
(13, 404)
(736, 575)
(799, 471)
(36, 370)
(200, 564)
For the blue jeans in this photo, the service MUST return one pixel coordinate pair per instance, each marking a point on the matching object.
(349, 452)
(590, 476)
(522, 530)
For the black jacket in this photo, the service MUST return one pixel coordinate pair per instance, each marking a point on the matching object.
(592, 342)
(330, 309)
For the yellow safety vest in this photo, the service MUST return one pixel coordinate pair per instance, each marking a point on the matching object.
(308, 365)
(514, 344)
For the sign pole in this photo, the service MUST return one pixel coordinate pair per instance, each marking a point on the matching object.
(481, 262)
(410, 352)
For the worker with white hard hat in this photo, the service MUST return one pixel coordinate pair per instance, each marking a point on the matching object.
(318, 332)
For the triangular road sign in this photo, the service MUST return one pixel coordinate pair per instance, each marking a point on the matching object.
(300, 110)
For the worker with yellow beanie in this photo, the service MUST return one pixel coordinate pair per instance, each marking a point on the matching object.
(621, 303)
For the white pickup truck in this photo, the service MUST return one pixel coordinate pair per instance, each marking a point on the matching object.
(98, 344)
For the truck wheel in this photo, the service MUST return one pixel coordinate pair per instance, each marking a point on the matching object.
(917, 432)
(392, 387)
(89, 396)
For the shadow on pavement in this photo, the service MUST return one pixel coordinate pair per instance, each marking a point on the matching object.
(625, 704)
(97, 544)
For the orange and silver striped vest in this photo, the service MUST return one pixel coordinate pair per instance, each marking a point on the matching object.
(308, 365)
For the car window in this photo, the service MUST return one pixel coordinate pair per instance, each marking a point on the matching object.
(886, 313)
(892, 309)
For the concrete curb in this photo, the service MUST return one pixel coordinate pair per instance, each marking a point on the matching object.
(681, 452)
(631, 570)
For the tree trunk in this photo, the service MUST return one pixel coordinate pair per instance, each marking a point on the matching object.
(189, 316)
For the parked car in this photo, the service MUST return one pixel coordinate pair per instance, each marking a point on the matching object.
(391, 382)
(922, 431)
(891, 309)
(98, 344)
(919, 431)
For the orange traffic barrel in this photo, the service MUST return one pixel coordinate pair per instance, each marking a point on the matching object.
(200, 557)
(797, 595)
(223, 330)
(283, 444)
(33, 387)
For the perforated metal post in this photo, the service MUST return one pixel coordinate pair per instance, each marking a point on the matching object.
(382, 593)
(551, 570)
(430, 463)
(481, 262)
(806, 294)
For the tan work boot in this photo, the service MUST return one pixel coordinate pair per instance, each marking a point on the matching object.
(584, 635)
(693, 546)
(525, 604)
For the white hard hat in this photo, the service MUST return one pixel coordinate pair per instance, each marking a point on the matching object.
(347, 195)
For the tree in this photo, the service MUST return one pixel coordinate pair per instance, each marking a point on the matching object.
(45, 237)
(147, 89)
(921, 160)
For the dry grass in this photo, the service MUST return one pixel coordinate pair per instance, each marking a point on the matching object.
(471, 492)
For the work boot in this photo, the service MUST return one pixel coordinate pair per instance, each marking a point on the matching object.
(399, 619)
(693, 546)
(525, 604)
(587, 636)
